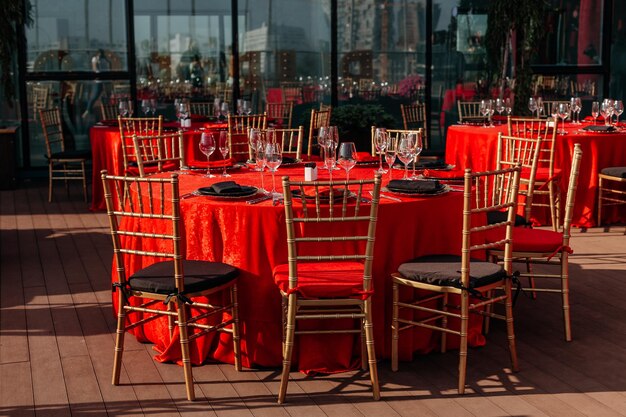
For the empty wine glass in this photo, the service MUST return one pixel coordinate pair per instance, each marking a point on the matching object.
(330, 159)
(322, 138)
(405, 153)
(183, 112)
(508, 108)
(224, 150)
(576, 105)
(605, 112)
(563, 114)
(153, 106)
(333, 136)
(484, 110)
(131, 109)
(207, 147)
(380, 141)
(240, 107)
(500, 106)
(254, 136)
(491, 111)
(122, 108)
(224, 110)
(273, 159)
(417, 149)
(540, 108)
(246, 108)
(595, 111)
(618, 107)
(347, 157)
(532, 105)
(390, 154)
(260, 160)
(145, 106)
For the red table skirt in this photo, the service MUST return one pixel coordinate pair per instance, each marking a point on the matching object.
(253, 238)
(476, 147)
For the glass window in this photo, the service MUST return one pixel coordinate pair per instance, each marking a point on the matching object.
(66, 35)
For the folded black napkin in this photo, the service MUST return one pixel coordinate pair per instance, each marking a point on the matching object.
(418, 187)
(289, 160)
(226, 187)
(600, 128)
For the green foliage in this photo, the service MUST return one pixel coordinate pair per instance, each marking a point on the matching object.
(14, 14)
(355, 121)
(525, 19)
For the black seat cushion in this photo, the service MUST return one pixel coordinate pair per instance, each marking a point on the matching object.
(494, 217)
(73, 154)
(619, 172)
(199, 276)
(445, 271)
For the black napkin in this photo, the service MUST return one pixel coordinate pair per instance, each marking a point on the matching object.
(418, 187)
(289, 160)
(439, 163)
(226, 187)
(600, 128)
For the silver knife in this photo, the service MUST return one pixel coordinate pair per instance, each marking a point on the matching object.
(388, 197)
(259, 199)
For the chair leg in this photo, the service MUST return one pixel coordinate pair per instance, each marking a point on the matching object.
(371, 352)
(67, 184)
(531, 279)
(288, 349)
(184, 348)
(394, 329)
(363, 346)
(283, 319)
(553, 215)
(463, 344)
(510, 328)
(565, 295)
(119, 338)
(600, 201)
(171, 321)
(488, 310)
(50, 182)
(84, 180)
(236, 333)
(444, 323)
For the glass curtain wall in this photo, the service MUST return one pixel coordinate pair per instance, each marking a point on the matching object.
(69, 47)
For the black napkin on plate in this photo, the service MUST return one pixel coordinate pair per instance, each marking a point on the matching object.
(226, 187)
(439, 163)
(600, 128)
(289, 160)
(417, 187)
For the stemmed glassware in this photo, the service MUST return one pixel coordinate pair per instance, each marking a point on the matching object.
(390, 154)
(183, 111)
(260, 160)
(145, 106)
(540, 108)
(606, 110)
(618, 108)
(347, 157)
(595, 111)
(380, 141)
(563, 114)
(576, 105)
(333, 139)
(224, 150)
(485, 110)
(405, 153)
(207, 147)
(500, 106)
(330, 159)
(153, 106)
(123, 108)
(224, 110)
(246, 108)
(254, 137)
(532, 106)
(273, 159)
(508, 108)
(417, 149)
(322, 138)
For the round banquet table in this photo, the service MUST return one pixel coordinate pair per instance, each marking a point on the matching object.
(253, 238)
(475, 147)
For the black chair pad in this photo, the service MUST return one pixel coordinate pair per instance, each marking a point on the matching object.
(619, 172)
(494, 217)
(198, 276)
(445, 271)
(74, 154)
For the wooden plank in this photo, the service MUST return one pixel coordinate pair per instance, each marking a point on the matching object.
(16, 394)
(82, 387)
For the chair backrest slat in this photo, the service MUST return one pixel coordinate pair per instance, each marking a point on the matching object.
(414, 118)
(469, 111)
(159, 150)
(136, 126)
(319, 118)
(240, 125)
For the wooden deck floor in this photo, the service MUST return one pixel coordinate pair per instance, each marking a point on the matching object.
(57, 341)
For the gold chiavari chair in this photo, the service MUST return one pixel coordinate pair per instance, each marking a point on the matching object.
(319, 118)
(304, 280)
(108, 111)
(239, 126)
(611, 189)
(280, 112)
(149, 209)
(63, 164)
(291, 93)
(445, 275)
(414, 118)
(158, 153)
(324, 106)
(547, 177)
(202, 108)
(547, 247)
(136, 126)
(393, 135)
(291, 141)
(548, 105)
(469, 111)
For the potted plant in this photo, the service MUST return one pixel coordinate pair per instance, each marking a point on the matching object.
(355, 121)
(15, 13)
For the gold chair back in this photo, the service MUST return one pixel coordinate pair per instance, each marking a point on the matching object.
(280, 112)
(162, 153)
(136, 126)
(469, 111)
(240, 125)
(319, 118)
(414, 118)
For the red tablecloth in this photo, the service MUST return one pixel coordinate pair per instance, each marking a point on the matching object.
(475, 147)
(106, 151)
(252, 237)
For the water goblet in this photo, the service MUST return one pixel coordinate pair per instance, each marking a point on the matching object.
(532, 105)
(273, 159)
(618, 107)
(130, 108)
(484, 110)
(254, 137)
(563, 114)
(224, 150)
(500, 106)
(145, 106)
(322, 138)
(405, 153)
(224, 111)
(416, 138)
(207, 147)
(347, 157)
(595, 111)
(390, 154)
(508, 108)
(540, 108)
(153, 106)
(604, 111)
(122, 108)
(380, 141)
(260, 160)
(183, 112)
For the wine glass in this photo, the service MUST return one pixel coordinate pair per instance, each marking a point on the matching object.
(417, 149)
(122, 108)
(183, 112)
(500, 106)
(484, 110)
(595, 111)
(491, 111)
(273, 159)
(347, 157)
(260, 160)
(575, 109)
(618, 107)
(224, 110)
(207, 147)
(153, 106)
(609, 109)
(604, 111)
(130, 108)
(145, 106)
(508, 108)
(224, 150)
(380, 141)
(246, 108)
(240, 107)
(554, 112)
(254, 137)
(330, 159)
(333, 137)
(563, 114)
(405, 153)
(532, 105)
(540, 108)
(390, 154)
(322, 138)
(216, 107)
